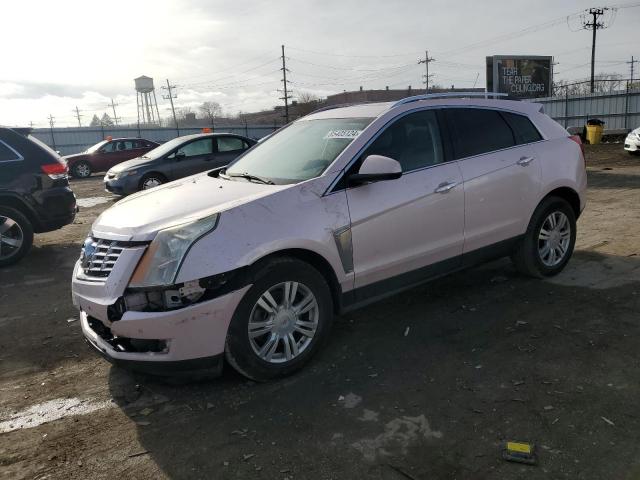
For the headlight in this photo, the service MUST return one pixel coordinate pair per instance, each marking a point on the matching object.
(160, 263)
(126, 173)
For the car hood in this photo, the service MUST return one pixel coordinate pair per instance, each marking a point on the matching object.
(140, 216)
(636, 131)
(131, 164)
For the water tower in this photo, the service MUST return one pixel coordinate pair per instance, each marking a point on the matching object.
(146, 99)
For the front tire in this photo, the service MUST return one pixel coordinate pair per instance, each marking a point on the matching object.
(16, 236)
(281, 322)
(151, 180)
(549, 240)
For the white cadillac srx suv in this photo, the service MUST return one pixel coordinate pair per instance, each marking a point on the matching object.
(346, 205)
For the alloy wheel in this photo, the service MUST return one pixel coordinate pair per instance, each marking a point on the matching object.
(83, 170)
(150, 183)
(11, 237)
(554, 239)
(283, 322)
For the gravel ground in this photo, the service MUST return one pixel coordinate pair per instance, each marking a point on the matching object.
(427, 384)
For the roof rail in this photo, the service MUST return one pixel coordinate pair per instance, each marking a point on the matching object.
(337, 105)
(430, 96)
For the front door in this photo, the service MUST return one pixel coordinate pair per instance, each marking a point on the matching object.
(406, 230)
(192, 158)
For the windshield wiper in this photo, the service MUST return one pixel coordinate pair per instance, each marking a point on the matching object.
(250, 177)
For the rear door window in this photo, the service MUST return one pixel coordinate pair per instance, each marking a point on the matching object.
(8, 154)
(230, 144)
(523, 128)
(476, 131)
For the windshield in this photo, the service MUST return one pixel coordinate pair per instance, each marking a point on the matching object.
(301, 151)
(96, 147)
(166, 147)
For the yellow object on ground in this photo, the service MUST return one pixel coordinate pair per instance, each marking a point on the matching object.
(594, 134)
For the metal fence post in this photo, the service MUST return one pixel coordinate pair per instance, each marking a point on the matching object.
(566, 106)
(626, 107)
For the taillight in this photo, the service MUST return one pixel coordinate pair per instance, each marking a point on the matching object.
(578, 140)
(55, 170)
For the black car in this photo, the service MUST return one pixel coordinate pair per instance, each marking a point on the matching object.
(178, 158)
(35, 195)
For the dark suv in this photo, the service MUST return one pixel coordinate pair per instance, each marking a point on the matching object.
(34, 192)
(106, 154)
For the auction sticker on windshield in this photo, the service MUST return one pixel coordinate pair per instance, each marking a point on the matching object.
(342, 134)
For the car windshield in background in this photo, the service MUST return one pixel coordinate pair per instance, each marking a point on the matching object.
(301, 151)
(96, 147)
(165, 148)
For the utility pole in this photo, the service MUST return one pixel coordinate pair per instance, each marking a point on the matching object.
(594, 25)
(170, 96)
(631, 75)
(51, 124)
(78, 116)
(426, 62)
(285, 90)
(113, 107)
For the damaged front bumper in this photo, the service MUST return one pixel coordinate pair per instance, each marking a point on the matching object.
(164, 342)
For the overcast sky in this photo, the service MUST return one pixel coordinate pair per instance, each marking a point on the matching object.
(61, 54)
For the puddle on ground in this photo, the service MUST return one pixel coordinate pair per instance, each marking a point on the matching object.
(48, 411)
(91, 201)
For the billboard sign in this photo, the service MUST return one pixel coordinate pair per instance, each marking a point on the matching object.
(520, 76)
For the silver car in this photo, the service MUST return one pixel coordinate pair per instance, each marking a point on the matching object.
(340, 208)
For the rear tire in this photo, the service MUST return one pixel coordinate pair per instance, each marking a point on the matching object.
(289, 311)
(548, 242)
(81, 170)
(151, 180)
(16, 236)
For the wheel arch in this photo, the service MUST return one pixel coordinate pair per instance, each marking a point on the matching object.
(19, 205)
(315, 260)
(568, 194)
(150, 173)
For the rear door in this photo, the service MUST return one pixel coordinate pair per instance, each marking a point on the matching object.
(193, 157)
(228, 149)
(501, 175)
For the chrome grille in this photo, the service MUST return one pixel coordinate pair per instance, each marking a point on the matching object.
(99, 256)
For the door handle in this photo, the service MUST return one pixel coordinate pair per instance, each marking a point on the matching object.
(524, 161)
(445, 187)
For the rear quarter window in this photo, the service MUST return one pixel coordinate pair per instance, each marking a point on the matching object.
(8, 154)
(523, 128)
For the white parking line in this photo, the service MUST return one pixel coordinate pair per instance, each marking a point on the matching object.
(49, 411)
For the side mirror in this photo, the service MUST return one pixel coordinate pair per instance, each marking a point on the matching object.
(376, 168)
(179, 156)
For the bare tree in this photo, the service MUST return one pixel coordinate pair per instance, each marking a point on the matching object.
(307, 103)
(210, 110)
